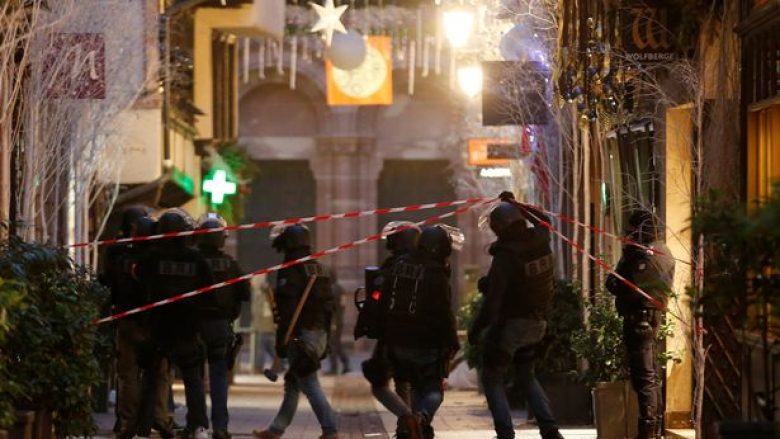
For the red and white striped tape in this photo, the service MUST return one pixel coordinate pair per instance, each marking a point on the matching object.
(595, 229)
(264, 224)
(660, 305)
(316, 255)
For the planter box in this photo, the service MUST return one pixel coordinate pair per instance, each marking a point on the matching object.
(742, 429)
(23, 427)
(570, 401)
(43, 427)
(615, 410)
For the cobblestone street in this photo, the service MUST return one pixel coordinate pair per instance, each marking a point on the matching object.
(254, 401)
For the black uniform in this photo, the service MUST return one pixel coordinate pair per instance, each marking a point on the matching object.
(419, 330)
(218, 310)
(512, 321)
(653, 273)
(169, 269)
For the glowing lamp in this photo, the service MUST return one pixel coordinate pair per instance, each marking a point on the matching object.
(470, 80)
(458, 25)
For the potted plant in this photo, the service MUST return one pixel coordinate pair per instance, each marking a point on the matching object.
(50, 353)
(615, 408)
(557, 362)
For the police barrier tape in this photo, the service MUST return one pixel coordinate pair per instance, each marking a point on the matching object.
(660, 305)
(265, 224)
(469, 205)
(622, 239)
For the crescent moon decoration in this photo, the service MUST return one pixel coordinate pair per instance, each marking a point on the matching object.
(329, 19)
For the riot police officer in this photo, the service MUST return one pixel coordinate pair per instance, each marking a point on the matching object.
(171, 268)
(419, 325)
(309, 333)
(653, 272)
(512, 319)
(132, 332)
(218, 311)
(377, 369)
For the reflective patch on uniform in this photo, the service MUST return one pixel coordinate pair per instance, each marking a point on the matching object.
(409, 271)
(177, 268)
(219, 264)
(642, 267)
(539, 266)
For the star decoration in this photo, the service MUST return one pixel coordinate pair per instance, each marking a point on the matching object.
(329, 19)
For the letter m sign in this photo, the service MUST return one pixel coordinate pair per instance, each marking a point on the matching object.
(76, 66)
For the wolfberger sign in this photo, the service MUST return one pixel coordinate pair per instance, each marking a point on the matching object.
(647, 31)
(76, 66)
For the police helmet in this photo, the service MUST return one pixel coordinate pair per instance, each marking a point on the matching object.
(642, 225)
(402, 241)
(503, 215)
(144, 226)
(175, 220)
(129, 217)
(439, 240)
(214, 239)
(288, 237)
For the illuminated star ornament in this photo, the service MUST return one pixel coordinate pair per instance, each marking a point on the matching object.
(329, 19)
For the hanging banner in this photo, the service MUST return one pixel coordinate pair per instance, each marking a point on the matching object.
(369, 84)
(646, 30)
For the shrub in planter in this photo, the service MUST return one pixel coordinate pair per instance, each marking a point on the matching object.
(601, 345)
(52, 350)
(556, 366)
(11, 296)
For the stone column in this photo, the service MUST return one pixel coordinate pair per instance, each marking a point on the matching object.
(346, 170)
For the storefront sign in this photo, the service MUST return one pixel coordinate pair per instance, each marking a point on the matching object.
(647, 31)
(75, 66)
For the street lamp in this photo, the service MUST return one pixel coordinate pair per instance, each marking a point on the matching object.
(470, 80)
(458, 25)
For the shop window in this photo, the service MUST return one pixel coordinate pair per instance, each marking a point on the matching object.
(763, 132)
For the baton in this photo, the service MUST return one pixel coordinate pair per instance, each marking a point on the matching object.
(276, 367)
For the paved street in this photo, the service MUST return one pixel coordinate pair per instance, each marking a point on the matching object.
(253, 403)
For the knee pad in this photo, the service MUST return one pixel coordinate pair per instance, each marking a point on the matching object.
(376, 371)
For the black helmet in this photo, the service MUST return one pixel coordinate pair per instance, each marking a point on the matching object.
(290, 237)
(439, 240)
(404, 241)
(175, 220)
(129, 217)
(642, 226)
(503, 215)
(212, 240)
(144, 226)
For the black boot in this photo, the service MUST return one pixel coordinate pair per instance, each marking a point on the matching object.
(647, 429)
(552, 434)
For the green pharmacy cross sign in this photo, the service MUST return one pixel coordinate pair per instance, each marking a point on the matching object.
(217, 185)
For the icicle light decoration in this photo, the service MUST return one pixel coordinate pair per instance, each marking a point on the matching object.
(279, 57)
(247, 46)
(426, 56)
(261, 59)
(412, 59)
(293, 61)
